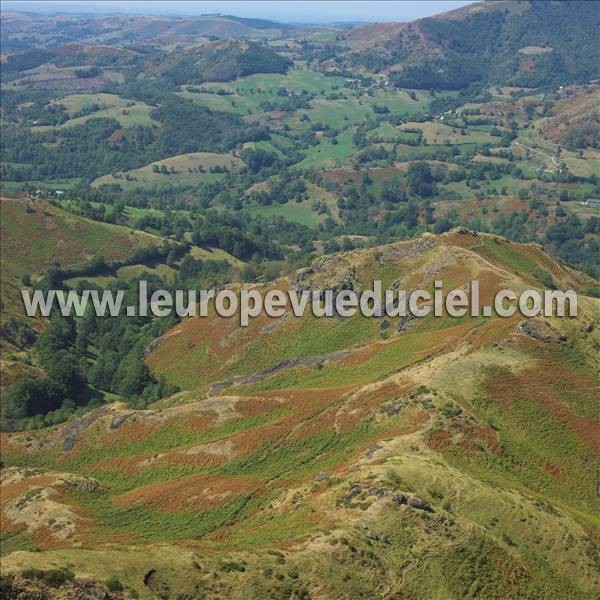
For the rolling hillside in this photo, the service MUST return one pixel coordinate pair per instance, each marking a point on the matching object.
(38, 237)
(104, 32)
(300, 458)
(424, 459)
(193, 168)
(36, 234)
(524, 43)
(221, 61)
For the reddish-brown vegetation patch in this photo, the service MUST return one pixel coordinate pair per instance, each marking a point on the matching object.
(554, 470)
(439, 440)
(9, 445)
(311, 411)
(493, 330)
(115, 136)
(11, 371)
(200, 422)
(358, 406)
(461, 238)
(362, 355)
(575, 110)
(199, 492)
(341, 177)
(477, 436)
(490, 283)
(69, 49)
(254, 406)
(13, 490)
(547, 383)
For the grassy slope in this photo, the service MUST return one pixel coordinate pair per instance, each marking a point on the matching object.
(36, 234)
(127, 112)
(502, 442)
(299, 212)
(145, 177)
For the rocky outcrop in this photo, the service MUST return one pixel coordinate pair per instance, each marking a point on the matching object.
(419, 503)
(330, 272)
(74, 429)
(408, 249)
(359, 492)
(540, 331)
(290, 363)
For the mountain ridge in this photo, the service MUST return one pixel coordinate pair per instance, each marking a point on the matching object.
(347, 460)
(466, 37)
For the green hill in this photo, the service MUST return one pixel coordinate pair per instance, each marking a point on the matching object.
(300, 458)
(521, 43)
(36, 235)
(444, 458)
(222, 61)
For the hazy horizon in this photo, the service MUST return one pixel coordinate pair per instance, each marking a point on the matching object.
(285, 12)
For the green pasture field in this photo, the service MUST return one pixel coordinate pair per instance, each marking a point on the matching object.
(436, 132)
(327, 155)
(127, 112)
(298, 212)
(11, 188)
(145, 177)
(247, 93)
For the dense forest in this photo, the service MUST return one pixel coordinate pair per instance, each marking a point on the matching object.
(92, 149)
(224, 62)
(490, 46)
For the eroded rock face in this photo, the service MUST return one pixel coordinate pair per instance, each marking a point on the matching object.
(114, 416)
(540, 330)
(419, 503)
(66, 435)
(331, 272)
(74, 428)
(288, 363)
(360, 491)
(340, 271)
(408, 249)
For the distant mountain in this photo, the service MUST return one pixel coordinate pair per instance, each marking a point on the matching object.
(528, 44)
(21, 30)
